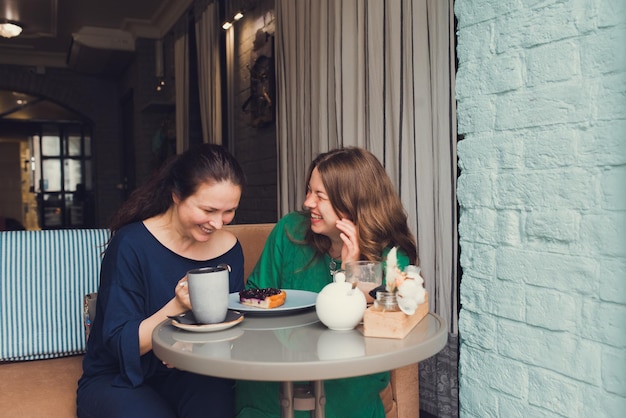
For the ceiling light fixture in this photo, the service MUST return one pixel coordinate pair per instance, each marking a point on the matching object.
(9, 28)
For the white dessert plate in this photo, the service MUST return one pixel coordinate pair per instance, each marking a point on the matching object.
(182, 322)
(296, 300)
(293, 320)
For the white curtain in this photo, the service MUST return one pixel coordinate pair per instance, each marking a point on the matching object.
(380, 75)
(209, 79)
(376, 74)
(181, 75)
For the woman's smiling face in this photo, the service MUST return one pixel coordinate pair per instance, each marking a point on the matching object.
(323, 216)
(212, 206)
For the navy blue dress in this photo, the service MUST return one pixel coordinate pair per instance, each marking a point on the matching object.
(137, 278)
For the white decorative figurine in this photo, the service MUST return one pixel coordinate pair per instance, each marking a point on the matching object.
(408, 285)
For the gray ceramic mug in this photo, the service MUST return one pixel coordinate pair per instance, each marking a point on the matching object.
(208, 293)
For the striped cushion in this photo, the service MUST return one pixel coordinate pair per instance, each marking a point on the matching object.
(44, 276)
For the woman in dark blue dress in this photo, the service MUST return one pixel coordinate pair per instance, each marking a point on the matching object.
(167, 227)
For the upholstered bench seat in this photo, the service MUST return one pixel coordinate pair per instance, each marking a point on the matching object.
(40, 388)
(44, 277)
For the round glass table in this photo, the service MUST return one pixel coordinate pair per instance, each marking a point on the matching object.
(294, 347)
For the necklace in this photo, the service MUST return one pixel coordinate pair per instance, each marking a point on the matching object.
(334, 265)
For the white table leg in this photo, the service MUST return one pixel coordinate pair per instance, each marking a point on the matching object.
(286, 400)
(320, 399)
(302, 397)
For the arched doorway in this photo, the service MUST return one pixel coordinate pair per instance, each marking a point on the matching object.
(52, 148)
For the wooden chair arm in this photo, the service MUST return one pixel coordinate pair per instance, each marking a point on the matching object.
(401, 396)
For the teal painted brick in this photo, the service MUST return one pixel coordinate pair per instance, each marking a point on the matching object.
(480, 224)
(552, 309)
(476, 114)
(507, 300)
(471, 12)
(611, 102)
(475, 190)
(586, 18)
(476, 44)
(467, 80)
(475, 401)
(599, 403)
(509, 227)
(476, 153)
(508, 148)
(479, 259)
(554, 393)
(567, 273)
(604, 323)
(514, 408)
(603, 52)
(543, 25)
(611, 12)
(555, 155)
(605, 145)
(553, 62)
(476, 404)
(571, 189)
(473, 359)
(480, 330)
(557, 351)
(551, 148)
(613, 187)
(474, 293)
(614, 370)
(566, 102)
(613, 280)
(495, 75)
(604, 234)
(503, 150)
(508, 376)
(557, 225)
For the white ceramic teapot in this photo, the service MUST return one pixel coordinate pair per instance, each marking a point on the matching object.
(339, 306)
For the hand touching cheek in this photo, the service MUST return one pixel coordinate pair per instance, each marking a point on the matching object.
(350, 237)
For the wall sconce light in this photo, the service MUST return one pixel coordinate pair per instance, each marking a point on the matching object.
(159, 65)
(229, 23)
(9, 28)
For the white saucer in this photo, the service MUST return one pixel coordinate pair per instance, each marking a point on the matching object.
(232, 319)
(208, 337)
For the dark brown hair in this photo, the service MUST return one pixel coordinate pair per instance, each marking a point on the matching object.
(181, 175)
(359, 189)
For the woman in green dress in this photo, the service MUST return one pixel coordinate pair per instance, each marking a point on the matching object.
(351, 212)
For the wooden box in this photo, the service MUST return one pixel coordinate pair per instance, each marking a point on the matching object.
(386, 324)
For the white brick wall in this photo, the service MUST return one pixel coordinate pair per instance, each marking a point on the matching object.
(541, 89)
